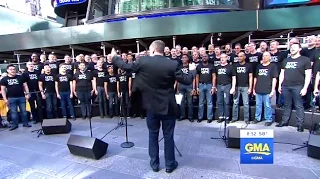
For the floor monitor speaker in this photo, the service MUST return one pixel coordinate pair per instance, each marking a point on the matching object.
(56, 126)
(314, 146)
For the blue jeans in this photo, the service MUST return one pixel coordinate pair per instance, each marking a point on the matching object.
(154, 122)
(85, 103)
(185, 90)
(293, 93)
(243, 91)
(66, 102)
(13, 104)
(205, 94)
(223, 98)
(113, 98)
(51, 105)
(266, 101)
(102, 101)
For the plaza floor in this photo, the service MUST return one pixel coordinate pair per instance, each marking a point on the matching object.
(23, 155)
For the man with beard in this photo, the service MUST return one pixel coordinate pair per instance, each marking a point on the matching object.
(186, 91)
(37, 66)
(294, 80)
(263, 47)
(228, 51)
(205, 84)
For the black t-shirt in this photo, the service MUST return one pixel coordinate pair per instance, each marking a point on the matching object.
(294, 70)
(123, 80)
(32, 79)
(216, 61)
(100, 77)
(112, 83)
(63, 82)
(224, 74)
(54, 67)
(205, 73)
(242, 73)
(69, 67)
(264, 75)
(177, 59)
(76, 65)
(92, 66)
(38, 67)
(211, 57)
(48, 83)
(234, 58)
(83, 81)
(14, 86)
(254, 60)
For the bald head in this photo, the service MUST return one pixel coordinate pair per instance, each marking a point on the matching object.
(157, 46)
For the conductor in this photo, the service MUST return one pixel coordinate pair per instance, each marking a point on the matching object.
(155, 78)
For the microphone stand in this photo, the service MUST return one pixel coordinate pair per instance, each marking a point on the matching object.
(126, 144)
(311, 128)
(38, 131)
(224, 137)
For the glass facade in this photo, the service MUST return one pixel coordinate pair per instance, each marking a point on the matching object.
(102, 8)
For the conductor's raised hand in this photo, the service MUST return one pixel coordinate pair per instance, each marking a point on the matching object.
(113, 52)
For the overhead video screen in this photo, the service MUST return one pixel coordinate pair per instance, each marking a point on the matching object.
(285, 2)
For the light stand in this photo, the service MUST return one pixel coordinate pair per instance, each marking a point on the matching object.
(174, 147)
(124, 108)
(311, 128)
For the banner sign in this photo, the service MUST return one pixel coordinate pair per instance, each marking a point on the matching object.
(256, 146)
(58, 3)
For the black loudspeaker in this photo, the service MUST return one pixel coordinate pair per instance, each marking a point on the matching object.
(87, 146)
(233, 137)
(56, 126)
(314, 146)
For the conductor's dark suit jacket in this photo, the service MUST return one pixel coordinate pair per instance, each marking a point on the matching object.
(155, 78)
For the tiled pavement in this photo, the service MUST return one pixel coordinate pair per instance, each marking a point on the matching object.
(23, 155)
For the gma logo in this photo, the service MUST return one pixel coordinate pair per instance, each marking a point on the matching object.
(257, 148)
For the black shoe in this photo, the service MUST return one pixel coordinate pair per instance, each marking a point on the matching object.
(13, 128)
(173, 168)
(300, 129)
(255, 122)
(156, 169)
(72, 118)
(220, 120)
(27, 125)
(268, 124)
(191, 120)
(83, 117)
(209, 121)
(199, 121)
(247, 122)
(282, 124)
(134, 116)
(233, 121)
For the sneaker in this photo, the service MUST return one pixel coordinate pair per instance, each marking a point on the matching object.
(26, 125)
(268, 124)
(13, 128)
(255, 122)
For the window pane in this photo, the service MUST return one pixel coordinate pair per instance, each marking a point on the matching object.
(147, 5)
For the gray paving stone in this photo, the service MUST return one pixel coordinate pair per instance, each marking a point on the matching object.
(277, 172)
(210, 163)
(296, 160)
(39, 175)
(71, 171)
(96, 173)
(316, 172)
